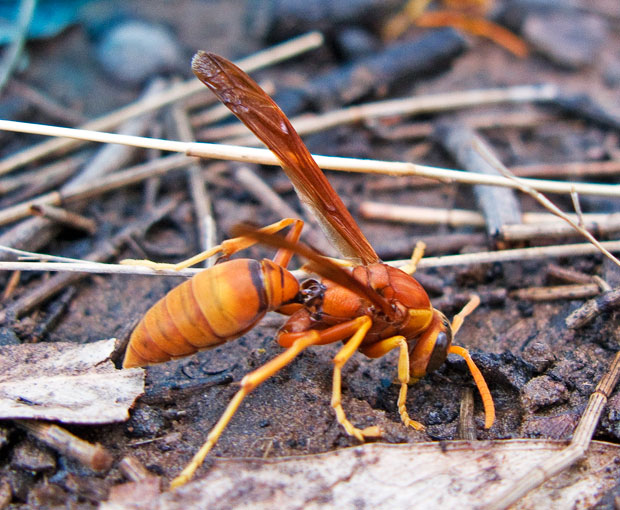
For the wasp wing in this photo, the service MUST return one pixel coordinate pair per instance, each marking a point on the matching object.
(267, 121)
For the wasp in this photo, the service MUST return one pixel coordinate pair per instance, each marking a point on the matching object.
(370, 306)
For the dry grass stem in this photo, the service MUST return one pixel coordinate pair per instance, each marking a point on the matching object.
(495, 120)
(564, 250)
(174, 93)
(572, 169)
(201, 199)
(64, 217)
(96, 187)
(544, 201)
(93, 456)
(532, 224)
(577, 291)
(94, 268)
(13, 53)
(573, 452)
(567, 250)
(265, 157)
(270, 199)
(306, 124)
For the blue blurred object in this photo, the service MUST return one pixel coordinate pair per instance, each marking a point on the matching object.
(50, 18)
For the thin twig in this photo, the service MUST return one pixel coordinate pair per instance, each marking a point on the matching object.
(265, 157)
(43, 178)
(197, 186)
(177, 91)
(60, 281)
(11, 57)
(45, 104)
(94, 456)
(467, 425)
(591, 309)
(36, 232)
(270, 199)
(532, 224)
(65, 217)
(97, 187)
(577, 291)
(11, 285)
(406, 106)
(522, 232)
(133, 469)
(571, 454)
(570, 250)
(568, 274)
(571, 169)
(544, 201)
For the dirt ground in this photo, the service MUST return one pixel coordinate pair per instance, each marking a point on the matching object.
(540, 373)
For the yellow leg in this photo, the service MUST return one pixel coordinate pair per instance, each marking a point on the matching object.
(457, 320)
(339, 360)
(226, 249)
(248, 383)
(380, 349)
(416, 256)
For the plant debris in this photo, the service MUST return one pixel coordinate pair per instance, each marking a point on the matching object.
(66, 382)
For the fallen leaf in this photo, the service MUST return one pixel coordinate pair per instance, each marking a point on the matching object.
(66, 382)
(454, 474)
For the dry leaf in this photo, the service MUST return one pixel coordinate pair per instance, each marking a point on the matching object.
(66, 382)
(455, 474)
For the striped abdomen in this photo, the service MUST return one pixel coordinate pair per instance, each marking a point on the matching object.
(218, 304)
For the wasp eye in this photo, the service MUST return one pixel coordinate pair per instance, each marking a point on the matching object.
(440, 351)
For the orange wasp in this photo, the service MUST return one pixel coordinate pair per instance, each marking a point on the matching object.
(373, 308)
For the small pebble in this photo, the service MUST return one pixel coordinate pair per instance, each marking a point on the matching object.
(136, 51)
(540, 355)
(145, 421)
(570, 39)
(543, 392)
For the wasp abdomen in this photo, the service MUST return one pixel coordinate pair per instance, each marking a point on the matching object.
(218, 304)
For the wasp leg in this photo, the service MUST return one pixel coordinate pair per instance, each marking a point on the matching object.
(416, 256)
(339, 360)
(380, 349)
(355, 330)
(248, 383)
(459, 318)
(229, 247)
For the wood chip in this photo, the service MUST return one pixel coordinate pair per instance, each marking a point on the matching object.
(66, 382)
